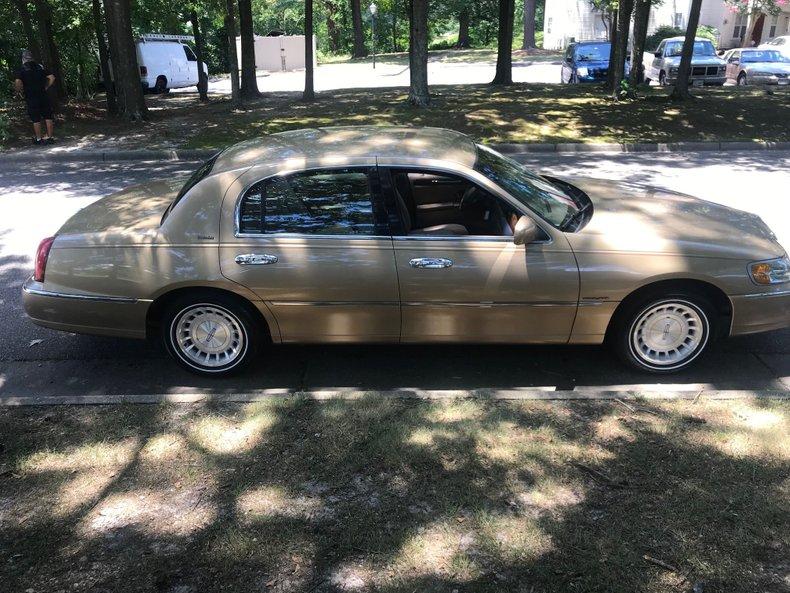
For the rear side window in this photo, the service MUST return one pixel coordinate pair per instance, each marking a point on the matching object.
(190, 54)
(336, 202)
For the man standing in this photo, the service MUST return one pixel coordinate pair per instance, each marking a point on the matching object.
(33, 80)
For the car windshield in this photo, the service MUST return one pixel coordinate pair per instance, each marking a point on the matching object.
(762, 56)
(193, 180)
(701, 48)
(537, 194)
(592, 52)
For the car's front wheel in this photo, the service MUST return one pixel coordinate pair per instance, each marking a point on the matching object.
(214, 335)
(664, 334)
(742, 79)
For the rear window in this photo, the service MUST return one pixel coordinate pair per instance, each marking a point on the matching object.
(199, 174)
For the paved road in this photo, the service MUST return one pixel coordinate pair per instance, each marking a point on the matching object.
(35, 361)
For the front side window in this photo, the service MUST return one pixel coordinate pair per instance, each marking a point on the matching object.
(549, 201)
(336, 202)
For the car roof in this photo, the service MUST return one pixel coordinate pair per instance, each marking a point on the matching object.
(339, 144)
(591, 41)
(681, 38)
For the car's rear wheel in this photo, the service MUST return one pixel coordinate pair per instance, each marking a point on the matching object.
(213, 335)
(742, 79)
(664, 334)
(160, 87)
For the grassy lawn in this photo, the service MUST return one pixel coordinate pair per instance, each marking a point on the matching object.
(518, 113)
(382, 495)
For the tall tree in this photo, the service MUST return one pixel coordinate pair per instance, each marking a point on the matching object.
(249, 80)
(609, 85)
(332, 29)
(104, 63)
(617, 66)
(463, 28)
(681, 90)
(27, 26)
(125, 70)
(529, 25)
(504, 57)
(233, 60)
(202, 84)
(359, 35)
(309, 92)
(641, 18)
(49, 49)
(418, 53)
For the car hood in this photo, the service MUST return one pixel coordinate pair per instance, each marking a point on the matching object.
(697, 61)
(642, 219)
(767, 67)
(137, 210)
(593, 64)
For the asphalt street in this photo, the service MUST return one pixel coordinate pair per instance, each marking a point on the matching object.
(36, 198)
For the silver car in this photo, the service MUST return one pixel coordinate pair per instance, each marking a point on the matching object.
(757, 66)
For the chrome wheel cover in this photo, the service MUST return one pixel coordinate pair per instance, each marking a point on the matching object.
(669, 334)
(208, 337)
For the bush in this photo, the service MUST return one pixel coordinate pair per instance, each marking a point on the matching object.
(5, 124)
(708, 32)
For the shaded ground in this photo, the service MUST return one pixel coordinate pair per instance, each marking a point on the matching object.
(397, 496)
(518, 113)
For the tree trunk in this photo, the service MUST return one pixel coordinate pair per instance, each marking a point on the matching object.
(418, 53)
(332, 30)
(359, 36)
(49, 51)
(504, 57)
(125, 70)
(202, 84)
(529, 25)
(613, 37)
(104, 64)
(27, 25)
(309, 91)
(754, 18)
(249, 81)
(641, 18)
(463, 29)
(681, 90)
(233, 58)
(621, 46)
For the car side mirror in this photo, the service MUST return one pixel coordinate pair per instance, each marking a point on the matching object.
(526, 231)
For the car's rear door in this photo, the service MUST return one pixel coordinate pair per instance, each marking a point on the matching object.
(315, 246)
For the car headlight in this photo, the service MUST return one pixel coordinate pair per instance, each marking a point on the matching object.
(582, 71)
(772, 271)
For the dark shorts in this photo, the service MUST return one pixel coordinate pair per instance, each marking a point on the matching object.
(39, 108)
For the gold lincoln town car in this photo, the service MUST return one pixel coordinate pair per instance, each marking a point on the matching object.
(387, 235)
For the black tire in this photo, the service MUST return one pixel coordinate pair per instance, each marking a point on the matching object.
(742, 79)
(689, 319)
(662, 79)
(160, 87)
(233, 333)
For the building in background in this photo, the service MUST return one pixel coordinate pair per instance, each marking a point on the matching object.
(577, 20)
(275, 53)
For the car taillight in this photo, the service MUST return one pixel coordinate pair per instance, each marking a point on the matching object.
(143, 71)
(42, 254)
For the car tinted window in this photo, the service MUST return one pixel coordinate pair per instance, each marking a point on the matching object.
(189, 53)
(701, 48)
(590, 52)
(334, 202)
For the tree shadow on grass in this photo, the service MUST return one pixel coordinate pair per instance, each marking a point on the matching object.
(396, 496)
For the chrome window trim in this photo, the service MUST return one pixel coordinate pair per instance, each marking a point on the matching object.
(310, 235)
(83, 297)
(283, 173)
(477, 238)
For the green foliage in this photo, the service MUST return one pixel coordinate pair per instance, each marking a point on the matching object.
(708, 32)
(755, 7)
(5, 123)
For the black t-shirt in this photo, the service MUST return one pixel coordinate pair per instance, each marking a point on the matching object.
(34, 80)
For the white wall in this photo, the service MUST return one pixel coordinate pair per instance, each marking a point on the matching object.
(274, 54)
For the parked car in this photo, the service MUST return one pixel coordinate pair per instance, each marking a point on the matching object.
(587, 61)
(780, 44)
(757, 66)
(372, 234)
(662, 64)
(166, 62)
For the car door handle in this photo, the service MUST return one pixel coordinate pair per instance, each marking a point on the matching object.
(431, 263)
(256, 259)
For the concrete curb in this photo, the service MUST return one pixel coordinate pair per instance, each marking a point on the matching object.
(188, 154)
(416, 394)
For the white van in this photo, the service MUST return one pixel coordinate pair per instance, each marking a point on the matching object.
(166, 62)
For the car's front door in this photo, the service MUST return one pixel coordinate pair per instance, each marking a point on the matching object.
(733, 64)
(480, 286)
(315, 247)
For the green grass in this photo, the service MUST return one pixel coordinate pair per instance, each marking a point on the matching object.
(517, 113)
(399, 495)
